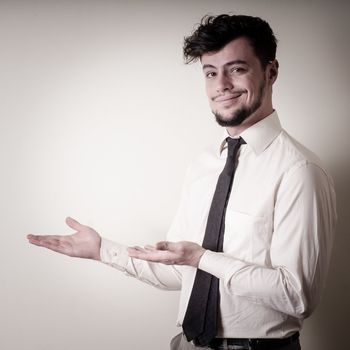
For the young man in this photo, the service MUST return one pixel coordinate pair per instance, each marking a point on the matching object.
(250, 245)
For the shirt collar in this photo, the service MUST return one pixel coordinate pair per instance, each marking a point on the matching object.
(258, 136)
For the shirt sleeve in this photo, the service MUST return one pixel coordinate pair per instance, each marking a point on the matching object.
(158, 275)
(167, 277)
(302, 239)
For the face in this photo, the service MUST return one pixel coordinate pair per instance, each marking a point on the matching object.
(237, 86)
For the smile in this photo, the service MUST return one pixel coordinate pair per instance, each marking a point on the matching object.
(225, 98)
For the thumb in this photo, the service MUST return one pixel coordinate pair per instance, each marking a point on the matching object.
(74, 224)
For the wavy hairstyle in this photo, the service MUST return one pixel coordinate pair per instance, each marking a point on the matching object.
(214, 32)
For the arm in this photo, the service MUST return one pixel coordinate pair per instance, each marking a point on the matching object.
(154, 272)
(86, 243)
(167, 277)
(304, 221)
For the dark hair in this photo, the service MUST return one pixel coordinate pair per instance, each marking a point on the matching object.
(214, 32)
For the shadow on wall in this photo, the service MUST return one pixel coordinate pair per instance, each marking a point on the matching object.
(328, 328)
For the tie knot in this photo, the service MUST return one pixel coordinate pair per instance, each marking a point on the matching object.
(234, 141)
(234, 144)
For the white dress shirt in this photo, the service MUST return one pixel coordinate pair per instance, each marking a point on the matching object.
(279, 231)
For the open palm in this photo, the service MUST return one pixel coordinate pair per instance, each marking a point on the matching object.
(84, 243)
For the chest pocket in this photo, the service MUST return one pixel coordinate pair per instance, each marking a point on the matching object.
(247, 237)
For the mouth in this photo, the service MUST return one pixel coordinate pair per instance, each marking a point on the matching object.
(227, 97)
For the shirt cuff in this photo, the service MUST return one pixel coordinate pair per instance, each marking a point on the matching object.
(114, 254)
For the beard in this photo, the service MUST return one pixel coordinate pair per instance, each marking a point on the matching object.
(240, 115)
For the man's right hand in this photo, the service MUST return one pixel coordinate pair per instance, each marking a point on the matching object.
(84, 243)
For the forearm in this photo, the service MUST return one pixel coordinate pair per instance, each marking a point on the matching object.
(277, 287)
(167, 277)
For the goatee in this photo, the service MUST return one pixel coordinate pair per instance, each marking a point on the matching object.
(239, 116)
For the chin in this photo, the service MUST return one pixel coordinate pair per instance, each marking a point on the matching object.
(231, 118)
(227, 114)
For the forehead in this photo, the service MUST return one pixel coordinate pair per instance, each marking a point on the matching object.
(238, 49)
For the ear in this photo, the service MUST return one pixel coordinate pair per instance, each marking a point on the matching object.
(273, 71)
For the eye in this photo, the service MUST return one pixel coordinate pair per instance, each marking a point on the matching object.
(237, 70)
(210, 74)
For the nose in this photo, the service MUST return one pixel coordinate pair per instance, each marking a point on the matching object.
(224, 83)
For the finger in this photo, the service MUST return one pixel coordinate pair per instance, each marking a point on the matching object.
(150, 248)
(36, 238)
(166, 245)
(74, 224)
(138, 248)
(60, 244)
(45, 241)
(154, 256)
(163, 245)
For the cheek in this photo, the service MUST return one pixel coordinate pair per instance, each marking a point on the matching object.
(253, 90)
(208, 90)
(210, 94)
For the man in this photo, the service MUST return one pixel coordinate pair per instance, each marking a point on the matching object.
(250, 245)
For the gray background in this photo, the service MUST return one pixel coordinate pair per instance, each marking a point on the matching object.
(99, 118)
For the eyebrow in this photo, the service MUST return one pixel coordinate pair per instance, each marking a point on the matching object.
(230, 63)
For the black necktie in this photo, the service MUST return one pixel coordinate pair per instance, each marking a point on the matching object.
(200, 321)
